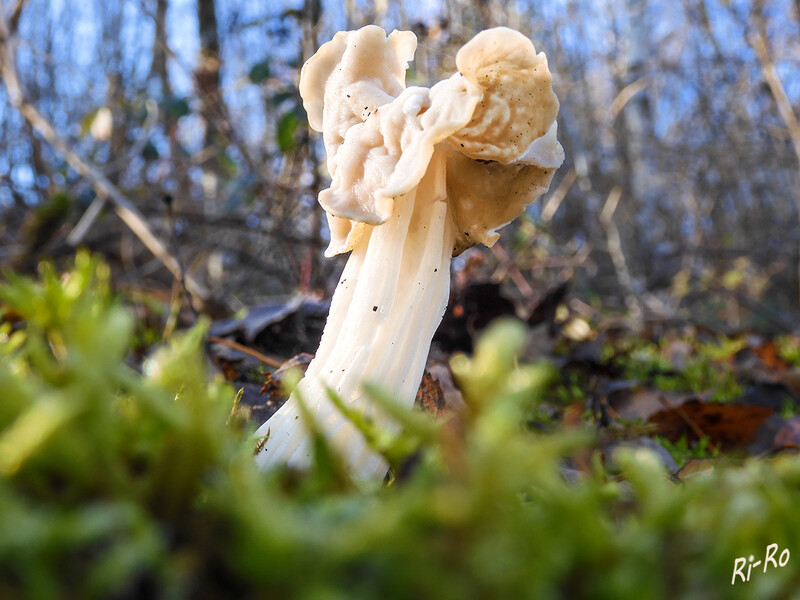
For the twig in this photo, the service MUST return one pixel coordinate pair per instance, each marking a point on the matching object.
(513, 272)
(14, 14)
(625, 95)
(698, 431)
(173, 229)
(557, 197)
(778, 92)
(88, 218)
(781, 99)
(126, 210)
(617, 255)
(272, 362)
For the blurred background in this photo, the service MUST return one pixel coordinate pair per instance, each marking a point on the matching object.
(170, 132)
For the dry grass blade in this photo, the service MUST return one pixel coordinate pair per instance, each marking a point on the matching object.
(272, 362)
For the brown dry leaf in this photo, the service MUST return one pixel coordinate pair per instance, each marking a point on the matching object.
(769, 356)
(630, 402)
(573, 415)
(791, 379)
(229, 370)
(788, 437)
(453, 433)
(695, 467)
(760, 360)
(430, 397)
(453, 399)
(273, 386)
(730, 425)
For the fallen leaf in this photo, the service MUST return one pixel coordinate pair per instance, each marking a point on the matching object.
(765, 437)
(453, 399)
(277, 328)
(630, 401)
(430, 397)
(573, 415)
(273, 389)
(771, 395)
(788, 438)
(769, 355)
(228, 369)
(695, 467)
(791, 379)
(730, 425)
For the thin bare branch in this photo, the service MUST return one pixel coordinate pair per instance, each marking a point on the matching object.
(86, 221)
(778, 92)
(617, 255)
(557, 197)
(513, 272)
(267, 360)
(782, 100)
(126, 210)
(14, 14)
(626, 94)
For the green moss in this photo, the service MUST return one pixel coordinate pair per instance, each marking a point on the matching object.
(788, 347)
(704, 370)
(683, 451)
(120, 484)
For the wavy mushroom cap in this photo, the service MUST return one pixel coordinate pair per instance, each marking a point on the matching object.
(379, 136)
(368, 61)
(518, 104)
(498, 115)
(485, 196)
(507, 154)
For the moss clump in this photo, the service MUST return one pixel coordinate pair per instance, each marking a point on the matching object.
(116, 483)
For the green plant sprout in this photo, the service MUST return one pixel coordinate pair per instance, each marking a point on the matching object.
(117, 483)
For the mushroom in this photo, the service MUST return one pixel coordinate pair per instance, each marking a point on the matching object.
(418, 176)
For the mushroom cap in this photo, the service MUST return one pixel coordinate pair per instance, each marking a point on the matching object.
(497, 115)
(379, 136)
(518, 104)
(367, 58)
(486, 195)
(345, 82)
(507, 154)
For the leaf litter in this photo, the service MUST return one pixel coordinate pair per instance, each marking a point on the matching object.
(685, 391)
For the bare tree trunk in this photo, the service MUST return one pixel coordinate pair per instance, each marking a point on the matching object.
(637, 115)
(634, 130)
(207, 74)
(312, 12)
(158, 68)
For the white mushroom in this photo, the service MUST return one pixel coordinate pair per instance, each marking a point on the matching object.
(418, 176)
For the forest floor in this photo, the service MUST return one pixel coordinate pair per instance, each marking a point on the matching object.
(694, 395)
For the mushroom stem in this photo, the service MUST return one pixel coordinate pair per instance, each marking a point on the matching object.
(385, 310)
(417, 175)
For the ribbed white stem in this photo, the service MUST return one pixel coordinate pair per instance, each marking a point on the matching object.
(385, 310)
